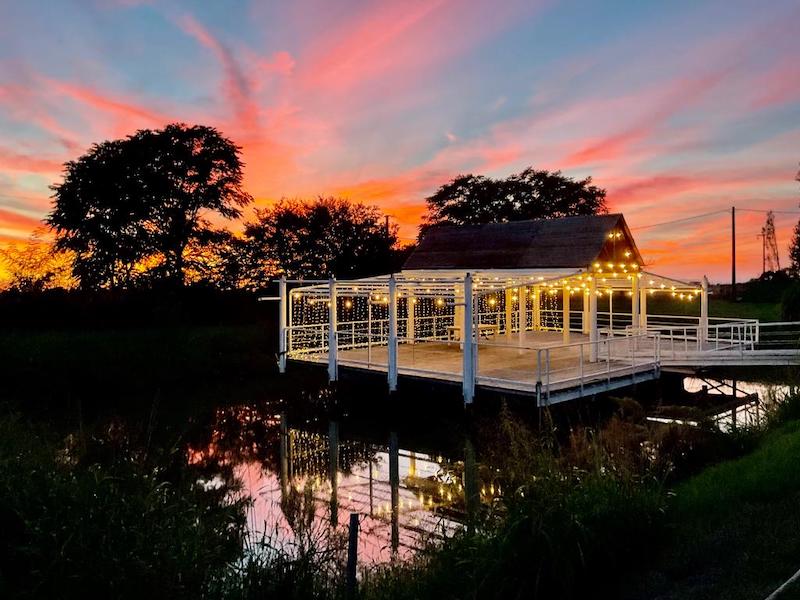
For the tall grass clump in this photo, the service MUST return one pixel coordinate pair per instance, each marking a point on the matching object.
(572, 519)
(97, 515)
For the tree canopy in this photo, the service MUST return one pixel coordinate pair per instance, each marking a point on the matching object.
(35, 266)
(130, 209)
(794, 245)
(531, 194)
(319, 238)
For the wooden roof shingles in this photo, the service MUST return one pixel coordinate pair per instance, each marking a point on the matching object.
(542, 243)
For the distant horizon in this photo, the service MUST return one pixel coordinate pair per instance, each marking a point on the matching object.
(676, 110)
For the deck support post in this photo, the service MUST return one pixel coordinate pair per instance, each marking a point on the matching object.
(593, 332)
(333, 338)
(643, 308)
(585, 319)
(522, 315)
(611, 311)
(458, 313)
(537, 308)
(467, 328)
(634, 301)
(565, 313)
(410, 314)
(509, 310)
(392, 351)
(282, 304)
(704, 311)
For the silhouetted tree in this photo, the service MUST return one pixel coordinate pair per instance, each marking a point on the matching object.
(36, 265)
(531, 194)
(794, 245)
(130, 208)
(319, 238)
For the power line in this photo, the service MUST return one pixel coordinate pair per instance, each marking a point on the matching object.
(681, 220)
(763, 211)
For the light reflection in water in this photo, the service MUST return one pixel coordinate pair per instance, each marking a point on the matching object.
(304, 485)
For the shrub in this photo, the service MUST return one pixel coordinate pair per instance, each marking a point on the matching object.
(100, 515)
(790, 303)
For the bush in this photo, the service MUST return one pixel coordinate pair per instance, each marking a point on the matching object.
(99, 515)
(790, 303)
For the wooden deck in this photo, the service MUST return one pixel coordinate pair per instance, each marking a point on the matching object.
(511, 364)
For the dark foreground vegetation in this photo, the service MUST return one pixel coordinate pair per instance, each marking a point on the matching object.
(624, 508)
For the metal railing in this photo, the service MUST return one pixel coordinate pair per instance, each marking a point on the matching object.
(580, 364)
(616, 357)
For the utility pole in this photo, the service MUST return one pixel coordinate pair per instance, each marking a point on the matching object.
(763, 237)
(733, 253)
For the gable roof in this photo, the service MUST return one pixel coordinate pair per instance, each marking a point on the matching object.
(543, 243)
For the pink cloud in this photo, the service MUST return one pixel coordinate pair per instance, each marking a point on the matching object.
(15, 161)
(236, 86)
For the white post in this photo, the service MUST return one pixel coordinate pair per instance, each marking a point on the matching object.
(565, 313)
(282, 324)
(634, 301)
(643, 308)
(594, 338)
(704, 311)
(458, 317)
(392, 353)
(611, 311)
(410, 313)
(333, 339)
(467, 335)
(369, 328)
(509, 310)
(522, 313)
(585, 324)
(537, 308)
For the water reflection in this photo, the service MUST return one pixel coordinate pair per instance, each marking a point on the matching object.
(305, 483)
(737, 403)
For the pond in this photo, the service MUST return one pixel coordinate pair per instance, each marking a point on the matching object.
(306, 475)
(305, 482)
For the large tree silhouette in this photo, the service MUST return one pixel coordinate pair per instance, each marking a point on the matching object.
(319, 238)
(129, 209)
(531, 194)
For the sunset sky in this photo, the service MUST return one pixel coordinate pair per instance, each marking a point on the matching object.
(676, 108)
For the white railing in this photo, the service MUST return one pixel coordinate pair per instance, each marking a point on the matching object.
(435, 348)
(616, 357)
(576, 365)
(784, 335)
(683, 341)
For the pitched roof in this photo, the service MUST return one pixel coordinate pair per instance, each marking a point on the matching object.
(542, 243)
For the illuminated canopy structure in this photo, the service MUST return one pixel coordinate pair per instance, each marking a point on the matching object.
(526, 285)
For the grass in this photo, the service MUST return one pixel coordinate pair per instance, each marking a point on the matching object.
(736, 527)
(717, 307)
(99, 514)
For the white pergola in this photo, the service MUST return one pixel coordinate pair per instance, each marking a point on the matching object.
(506, 303)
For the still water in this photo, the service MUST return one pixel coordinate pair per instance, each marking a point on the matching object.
(304, 484)
(305, 479)
(745, 403)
